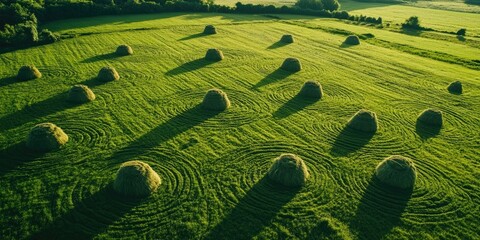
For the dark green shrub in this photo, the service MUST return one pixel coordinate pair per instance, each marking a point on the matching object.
(331, 5)
(310, 4)
(462, 32)
(104, 2)
(412, 23)
(46, 36)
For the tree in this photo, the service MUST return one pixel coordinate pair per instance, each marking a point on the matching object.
(462, 32)
(310, 4)
(331, 5)
(412, 23)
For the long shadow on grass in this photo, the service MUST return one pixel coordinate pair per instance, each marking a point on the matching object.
(380, 210)
(106, 56)
(14, 156)
(426, 131)
(189, 66)
(193, 36)
(412, 32)
(297, 103)
(324, 230)
(254, 211)
(90, 217)
(350, 140)
(7, 81)
(35, 111)
(273, 77)
(167, 130)
(41, 109)
(278, 44)
(93, 82)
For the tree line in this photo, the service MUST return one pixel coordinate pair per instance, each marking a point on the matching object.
(20, 19)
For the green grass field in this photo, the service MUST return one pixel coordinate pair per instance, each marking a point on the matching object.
(213, 166)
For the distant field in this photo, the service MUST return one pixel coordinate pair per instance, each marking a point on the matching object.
(213, 167)
(441, 15)
(433, 18)
(348, 5)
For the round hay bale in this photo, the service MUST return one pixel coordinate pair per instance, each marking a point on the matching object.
(352, 40)
(287, 38)
(364, 120)
(455, 87)
(46, 137)
(28, 72)
(80, 94)
(124, 50)
(312, 90)
(210, 29)
(108, 74)
(291, 65)
(136, 179)
(214, 54)
(215, 100)
(289, 170)
(397, 171)
(431, 117)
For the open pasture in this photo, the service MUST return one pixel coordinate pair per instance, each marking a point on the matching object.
(213, 165)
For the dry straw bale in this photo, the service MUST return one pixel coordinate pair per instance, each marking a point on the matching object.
(289, 170)
(46, 137)
(136, 179)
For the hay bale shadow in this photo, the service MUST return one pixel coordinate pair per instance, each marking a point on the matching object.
(165, 131)
(245, 221)
(7, 81)
(105, 205)
(93, 82)
(350, 140)
(295, 104)
(35, 111)
(426, 131)
(43, 108)
(193, 36)
(16, 155)
(412, 32)
(191, 142)
(106, 56)
(461, 38)
(278, 44)
(189, 66)
(380, 209)
(273, 77)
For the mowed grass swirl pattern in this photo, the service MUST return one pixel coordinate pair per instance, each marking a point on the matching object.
(213, 165)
